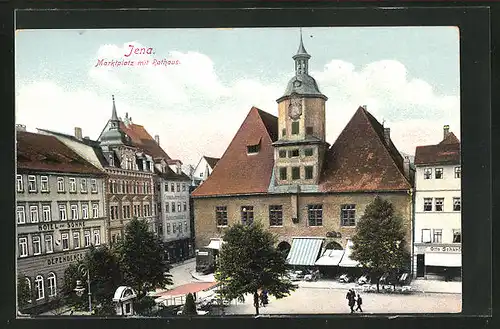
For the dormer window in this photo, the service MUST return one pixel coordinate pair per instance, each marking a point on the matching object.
(253, 147)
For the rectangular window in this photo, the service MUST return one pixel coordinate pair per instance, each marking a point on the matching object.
(112, 212)
(348, 215)
(166, 187)
(21, 215)
(23, 247)
(293, 153)
(168, 228)
(283, 174)
(308, 172)
(34, 214)
(124, 212)
(72, 185)
(247, 215)
(60, 185)
(85, 211)
(221, 215)
(427, 173)
(86, 236)
(426, 235)
(93, 186)
(309, 130)
(439, 173)
(437, 236)
(37, 248)
(174, 228)
(185, 226)
(178, 187)
(167, 207)
(146, 210)
(31, 183)
(295, 128)
(95, 210)
(283, 132)
(76, 240)
(457, 236)
(456, 204)
(282, 154)
(275, 215)
(160, 229)
(251, 149)
(427, 204)
(315, 214)
(65, 241)
(172, 187)
(97, 237)
(19, 183)
(74, 211)
(308, 152)
(458, 172)
(49, 245)
(62, 212)
(183, 187)
(179, 207)
(173, 206)
(46, 213)
(44, 184)
(185, 207)
(438, 206)
(180, 227)
(295, 172)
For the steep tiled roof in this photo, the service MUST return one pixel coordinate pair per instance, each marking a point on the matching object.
(446, 152)
(41, 152)
(211, 161)
(238, 172)
(169, 174)
(361, 160)
(142, 139)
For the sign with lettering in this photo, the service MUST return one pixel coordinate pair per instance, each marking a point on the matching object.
(59, 226)
(449, 249)
(202, 253)
(64, 259)
(333, 234)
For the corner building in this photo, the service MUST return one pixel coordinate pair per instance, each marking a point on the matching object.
(282, 171)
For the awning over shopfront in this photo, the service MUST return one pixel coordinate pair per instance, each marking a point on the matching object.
(443, 259)
(214, 244)
(346, 259)
(304, 251)
(330, 258)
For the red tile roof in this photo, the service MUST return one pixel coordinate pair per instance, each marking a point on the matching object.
(185, 289)
(40, 152)
(142, 139)
(361, 160)
(446, 152)
(238, 172)
(211, 161)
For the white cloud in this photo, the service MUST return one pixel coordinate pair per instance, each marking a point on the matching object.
(196, 114)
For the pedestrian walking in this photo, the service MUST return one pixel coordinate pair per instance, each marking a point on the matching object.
(359, 301)
(351, 298)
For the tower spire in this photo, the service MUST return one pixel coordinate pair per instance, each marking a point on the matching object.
(114, 116)
(302, 50)
(301, 58)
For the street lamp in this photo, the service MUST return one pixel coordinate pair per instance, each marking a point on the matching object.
(80, 288)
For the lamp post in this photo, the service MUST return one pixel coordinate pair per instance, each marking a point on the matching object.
(79, 287)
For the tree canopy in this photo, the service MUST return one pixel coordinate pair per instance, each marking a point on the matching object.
(249, 262)
(380, 240)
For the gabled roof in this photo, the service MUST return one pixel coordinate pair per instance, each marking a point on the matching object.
(169, 174)
(361, 160)
(446, 152)
(238, 172)
(41, 152)
(142, 139)
(211, 161)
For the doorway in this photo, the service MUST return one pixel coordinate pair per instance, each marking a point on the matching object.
(421, 266)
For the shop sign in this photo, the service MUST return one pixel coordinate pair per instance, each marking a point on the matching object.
(59, 226)
(64, 259)
(449, 249)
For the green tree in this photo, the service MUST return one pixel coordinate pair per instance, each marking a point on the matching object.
(142, 258)
(249, 261)
(189, 306)
(380, 240)
(24, 297)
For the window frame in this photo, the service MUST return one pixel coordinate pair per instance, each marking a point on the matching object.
(44, 184)
(306, 168)
(428, 202)
(65, 212)
(61, 185)
(457, 172)
(308, 152)
(74, 215)
(427, 173)
(294, 153)
(439, 202)
(315, 215)
(97, 237)
(32, 183)
(52, 284)
(221, 218)
(46, 238)
(441, 173)
(437, 232)
(46, 209)
(23, 246)
(459, 231)
(247, 215)
(94, 188)
(95, 210)
(73, 187)
(87, 238)
(429, 235)
(34, 212)
(76, 237)
(36, 251)
(276, 215)
(23, 212)
(65, 237)
(283, 173)
(295, 127)
(39, 287)
(295, 169)
(348, 215)
(19, 183)
(455, 199)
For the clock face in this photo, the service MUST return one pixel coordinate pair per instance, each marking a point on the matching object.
(295, 108)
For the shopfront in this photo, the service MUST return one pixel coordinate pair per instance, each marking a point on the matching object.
(442, 262)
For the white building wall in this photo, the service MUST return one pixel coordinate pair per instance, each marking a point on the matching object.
(202, 170)
(177, 218)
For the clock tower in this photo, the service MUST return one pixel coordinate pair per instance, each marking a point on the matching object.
(301, 145)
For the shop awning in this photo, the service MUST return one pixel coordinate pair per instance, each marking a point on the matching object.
(330, 258)
(346, 259)
(443, 259)
(214, 244)
(304, 251)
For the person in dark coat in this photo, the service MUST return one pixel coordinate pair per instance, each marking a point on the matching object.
(359, 301)
(351, 297)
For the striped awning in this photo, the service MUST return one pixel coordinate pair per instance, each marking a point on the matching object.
(304, 251)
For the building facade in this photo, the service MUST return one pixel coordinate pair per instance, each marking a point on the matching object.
(203, 169)
(60, 213)
(281, 172)
(437, 248)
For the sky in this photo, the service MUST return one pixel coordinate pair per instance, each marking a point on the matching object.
(408, 77)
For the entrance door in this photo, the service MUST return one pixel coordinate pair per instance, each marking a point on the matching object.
(420, 266)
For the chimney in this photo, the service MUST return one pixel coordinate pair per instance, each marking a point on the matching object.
(387, 135)
(406, 166)
(157, 139)
(78, 132)
(446, 131)
(20, 127)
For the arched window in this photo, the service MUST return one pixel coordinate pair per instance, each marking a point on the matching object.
(333, 245)
(28, 284)
(284, 247)
(40, 293)
(52, 284)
